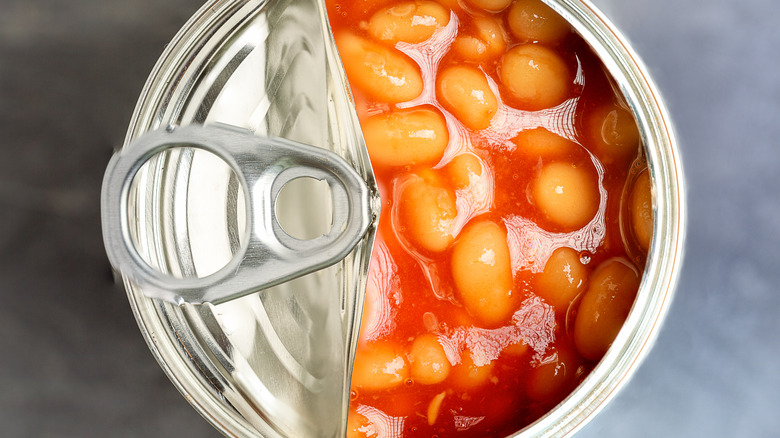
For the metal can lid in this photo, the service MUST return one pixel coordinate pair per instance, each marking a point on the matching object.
(274, 362)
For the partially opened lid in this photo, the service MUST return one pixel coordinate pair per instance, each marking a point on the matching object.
(276, 362)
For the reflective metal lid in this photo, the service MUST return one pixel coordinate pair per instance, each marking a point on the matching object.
(275, 362)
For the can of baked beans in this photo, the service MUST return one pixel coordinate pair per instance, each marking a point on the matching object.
(278, 362)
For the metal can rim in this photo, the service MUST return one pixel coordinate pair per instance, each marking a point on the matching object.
(167, 330)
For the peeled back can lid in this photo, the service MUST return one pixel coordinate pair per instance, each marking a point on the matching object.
(192, 218)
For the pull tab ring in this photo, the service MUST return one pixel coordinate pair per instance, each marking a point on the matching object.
(263, 166)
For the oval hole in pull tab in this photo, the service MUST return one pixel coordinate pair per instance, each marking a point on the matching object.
(198, 210)
(304, 208)
(265, 256)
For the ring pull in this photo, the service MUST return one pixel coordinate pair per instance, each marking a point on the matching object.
(263, 166)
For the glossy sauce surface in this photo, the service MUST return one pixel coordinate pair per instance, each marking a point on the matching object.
(514, 213)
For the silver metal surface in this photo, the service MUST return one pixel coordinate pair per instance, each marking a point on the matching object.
(263, 166)
(275, 363)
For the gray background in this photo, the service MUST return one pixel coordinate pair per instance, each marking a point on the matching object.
(73, 364)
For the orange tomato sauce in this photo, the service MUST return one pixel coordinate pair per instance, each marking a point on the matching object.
(506, 161)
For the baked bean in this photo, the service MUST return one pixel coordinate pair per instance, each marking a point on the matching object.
(489, 5)
(488, 41)
(543, 143)
(482, 272)
(462, 318)
(385, 74)
(470, 47)
(532, 20)
(406, 137)
(642, 210)
(517, 348)
(604, 307)
(567, 194)
(409, 22)
(452, 5)
(537, 77)
(464, 91)
(379, 365)
(429, 364)
(428, 212)
(554, 376)
(564, 276)
(358, 426)
(463, 169)
(613, 133)
(468, 375)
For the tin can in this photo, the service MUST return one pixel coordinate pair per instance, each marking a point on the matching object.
(253, 366)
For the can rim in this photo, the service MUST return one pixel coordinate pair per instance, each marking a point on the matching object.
(167, 329)
(665, 257)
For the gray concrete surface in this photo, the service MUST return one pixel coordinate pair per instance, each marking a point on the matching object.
(73, 364)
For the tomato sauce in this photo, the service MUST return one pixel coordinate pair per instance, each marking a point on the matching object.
(506, 163)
